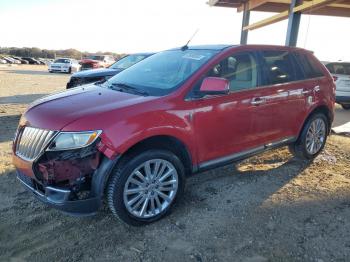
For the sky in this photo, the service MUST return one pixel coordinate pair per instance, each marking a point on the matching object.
(138, 26)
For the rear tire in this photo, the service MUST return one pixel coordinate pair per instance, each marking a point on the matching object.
(312, 138)
(144, 188)
(346, 107)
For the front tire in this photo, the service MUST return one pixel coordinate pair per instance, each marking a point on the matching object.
(144, 188)
(312, 139)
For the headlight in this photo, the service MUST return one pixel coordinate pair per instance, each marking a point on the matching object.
(72, 140)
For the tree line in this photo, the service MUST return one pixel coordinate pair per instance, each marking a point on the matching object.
(45, 53)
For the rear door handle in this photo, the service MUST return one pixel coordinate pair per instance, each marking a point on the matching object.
(257, 101)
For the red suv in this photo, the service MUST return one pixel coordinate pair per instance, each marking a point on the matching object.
(134, 138)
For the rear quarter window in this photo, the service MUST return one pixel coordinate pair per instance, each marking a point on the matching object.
(309, 65)
(280, 67)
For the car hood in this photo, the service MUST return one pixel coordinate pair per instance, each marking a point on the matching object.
(96, 72)
(56, 111)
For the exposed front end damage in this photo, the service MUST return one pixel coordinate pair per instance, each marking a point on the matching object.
(70, 180)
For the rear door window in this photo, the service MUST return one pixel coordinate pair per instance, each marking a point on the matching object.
(309, 66)
(279, 67)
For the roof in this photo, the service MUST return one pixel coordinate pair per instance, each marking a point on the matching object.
(320, 7)
(205, 47)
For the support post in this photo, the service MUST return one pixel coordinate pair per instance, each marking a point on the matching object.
(245, 22)
(293, 24)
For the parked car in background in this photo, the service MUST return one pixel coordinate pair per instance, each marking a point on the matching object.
(135, 138)
(10, 60)
(64, 65)
(94, 75)
(22, 61)
(96, 61)
(40, 61)
(15, 59)
(341, 74)
(2, 61)
(44, 61)
(31, 60)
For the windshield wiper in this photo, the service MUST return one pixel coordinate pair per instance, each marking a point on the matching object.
(122, 87)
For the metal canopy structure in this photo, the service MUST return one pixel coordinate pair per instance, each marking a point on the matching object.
(286, 9)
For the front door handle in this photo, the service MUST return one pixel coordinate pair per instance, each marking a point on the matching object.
(257, 101)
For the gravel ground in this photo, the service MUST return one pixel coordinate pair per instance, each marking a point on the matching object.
(268, 208)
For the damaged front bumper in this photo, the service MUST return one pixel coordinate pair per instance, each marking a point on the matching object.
(72, 181)
(59, 198)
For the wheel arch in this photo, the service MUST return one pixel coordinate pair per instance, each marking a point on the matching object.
(166, 142)
(319, 109)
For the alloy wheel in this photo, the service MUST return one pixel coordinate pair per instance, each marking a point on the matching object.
(315, 136)
(151, 188)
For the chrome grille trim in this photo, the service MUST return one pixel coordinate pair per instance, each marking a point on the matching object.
(32, 141)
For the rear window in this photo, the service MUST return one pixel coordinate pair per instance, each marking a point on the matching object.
(280, 66)
(309, 66)
(339, 68)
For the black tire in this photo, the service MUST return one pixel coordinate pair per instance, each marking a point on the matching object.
(121, 173)
(346, 107)
(70, 70)
(299, 149)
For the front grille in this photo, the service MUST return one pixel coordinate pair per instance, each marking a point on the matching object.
(32, 141)
(86, 66)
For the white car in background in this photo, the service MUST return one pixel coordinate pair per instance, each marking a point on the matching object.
(341, 74)
(64, 65)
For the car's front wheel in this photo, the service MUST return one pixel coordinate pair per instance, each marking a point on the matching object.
(143, 188)
(312, 139)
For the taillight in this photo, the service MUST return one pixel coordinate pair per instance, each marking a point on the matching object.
(335, 78)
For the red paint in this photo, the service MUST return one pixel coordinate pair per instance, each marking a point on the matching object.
(210, 128)
(215, 84)
(93, 63)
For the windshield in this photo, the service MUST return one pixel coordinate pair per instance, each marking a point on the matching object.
(95, 57)
(339, 68)
(61, 60)
(163, 72)
(127, 61)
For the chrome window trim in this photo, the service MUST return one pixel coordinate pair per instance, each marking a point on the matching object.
(251, 89)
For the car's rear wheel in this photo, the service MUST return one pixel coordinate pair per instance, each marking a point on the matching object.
(143, 188)
(312, 139)
(346, 107)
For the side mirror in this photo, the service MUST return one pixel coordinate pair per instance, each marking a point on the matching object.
(215, 86)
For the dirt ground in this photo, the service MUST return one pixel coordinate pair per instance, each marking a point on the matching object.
(268, 208)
